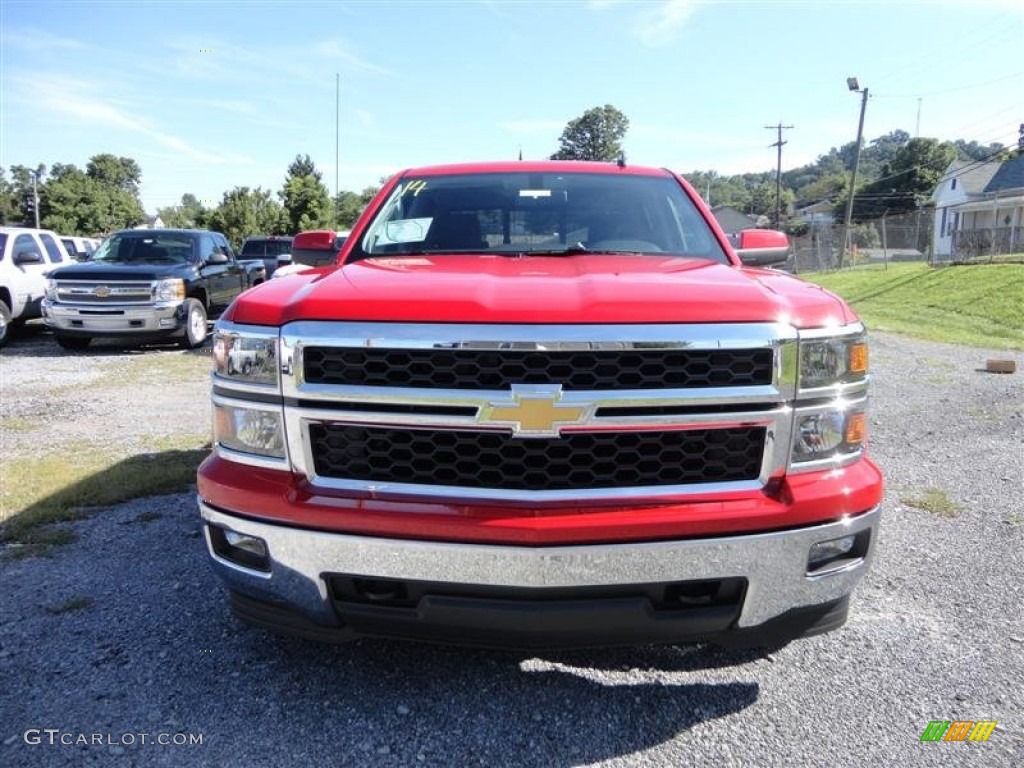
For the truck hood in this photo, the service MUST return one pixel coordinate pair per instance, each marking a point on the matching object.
(590, 288)
(95, 270)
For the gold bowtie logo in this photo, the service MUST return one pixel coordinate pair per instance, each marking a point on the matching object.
(534, 412)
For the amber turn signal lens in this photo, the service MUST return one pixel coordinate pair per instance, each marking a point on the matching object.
(856, 429)
(859, 358)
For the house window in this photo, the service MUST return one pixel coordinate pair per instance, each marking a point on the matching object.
(953, 185)
(942, 226)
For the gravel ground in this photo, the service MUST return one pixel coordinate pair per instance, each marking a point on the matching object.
(126, 631)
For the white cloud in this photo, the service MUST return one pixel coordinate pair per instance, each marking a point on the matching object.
(662, 25)
(40, 40)
(77, 99)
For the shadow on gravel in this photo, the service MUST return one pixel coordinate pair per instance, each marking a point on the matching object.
(33, 339)
(504, 708)
(81, 491)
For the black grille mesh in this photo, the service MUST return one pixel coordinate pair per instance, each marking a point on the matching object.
(573, 370)
(497, 460)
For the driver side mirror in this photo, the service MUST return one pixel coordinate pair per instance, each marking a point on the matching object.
(217, 258)
(762, 247)
(28, 257)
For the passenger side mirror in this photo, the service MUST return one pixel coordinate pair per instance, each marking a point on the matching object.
(762, 247)
(29, 257)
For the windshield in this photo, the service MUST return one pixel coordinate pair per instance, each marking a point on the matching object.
(539, 214)
(261, 248)
(145, 249)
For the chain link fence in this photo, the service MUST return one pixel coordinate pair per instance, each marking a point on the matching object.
(889, 238)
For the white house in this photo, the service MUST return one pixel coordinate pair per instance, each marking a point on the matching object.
(963, 182)
(979, 209)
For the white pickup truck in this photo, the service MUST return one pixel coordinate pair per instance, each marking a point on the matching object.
(26, 257)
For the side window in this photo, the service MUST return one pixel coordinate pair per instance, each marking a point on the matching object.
(206, 248)
(223, 246)
(52, 248)
(25, 243)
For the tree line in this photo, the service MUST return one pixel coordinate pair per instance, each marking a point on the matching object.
(897, 173)
(105, 197)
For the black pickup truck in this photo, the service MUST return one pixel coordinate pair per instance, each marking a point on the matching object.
(147, 284)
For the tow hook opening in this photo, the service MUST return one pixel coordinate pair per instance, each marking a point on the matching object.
(380, 590)
(239, 548)
(838, 554)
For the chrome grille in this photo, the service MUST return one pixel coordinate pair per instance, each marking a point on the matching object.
(97, 292)
(573, 370)
(538, 413)
(569, 462)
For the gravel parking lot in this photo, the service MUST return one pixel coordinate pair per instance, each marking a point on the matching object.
(122, 640)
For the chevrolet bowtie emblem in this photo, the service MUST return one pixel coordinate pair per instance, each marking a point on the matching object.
(535, 411)
(101, 291)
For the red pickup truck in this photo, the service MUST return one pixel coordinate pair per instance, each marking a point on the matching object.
(541, 404)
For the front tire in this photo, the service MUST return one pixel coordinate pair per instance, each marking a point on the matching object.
(195, 324)
(73, 342)
(5, 323)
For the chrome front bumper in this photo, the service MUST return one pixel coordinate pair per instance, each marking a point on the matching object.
(773, 564)
(127, 319)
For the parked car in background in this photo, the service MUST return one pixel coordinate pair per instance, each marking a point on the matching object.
(26, 257)
(80, 248)
(269, 248)
(315, 248)
(145, 284)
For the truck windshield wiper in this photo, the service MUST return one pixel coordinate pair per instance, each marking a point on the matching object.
(570, 250)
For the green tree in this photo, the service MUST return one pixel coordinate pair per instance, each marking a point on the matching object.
(188, 214)
(907, 181)
(243, 212)
(115, 172)
(10, 207)
(350, 205)
(596, 135)
(74, 202)
(302, 165)
(975, 151)
(307, 203)
(22, 190)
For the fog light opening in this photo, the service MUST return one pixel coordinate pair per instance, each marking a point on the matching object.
(239, 548)
(836, 554)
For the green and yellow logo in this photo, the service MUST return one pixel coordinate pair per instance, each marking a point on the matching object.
(958, 730)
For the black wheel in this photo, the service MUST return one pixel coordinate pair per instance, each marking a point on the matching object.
(195, 324)
(5, 323)
(73, 342)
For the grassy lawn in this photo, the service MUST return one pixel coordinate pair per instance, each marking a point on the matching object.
(64, 486)
(980, 305)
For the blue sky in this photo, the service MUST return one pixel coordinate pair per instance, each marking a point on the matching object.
(209, 96)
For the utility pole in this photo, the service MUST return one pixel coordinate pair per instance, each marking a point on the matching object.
(853, 85)
(337, 107)
(778, 170)
(35, 194)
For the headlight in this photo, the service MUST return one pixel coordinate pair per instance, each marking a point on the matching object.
(244, 357)
(829, 421)
(249, 430)
(828, 433)
(825, 362)
(51, 290)
(169, 289)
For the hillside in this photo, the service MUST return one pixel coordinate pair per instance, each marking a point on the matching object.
(980, 305)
